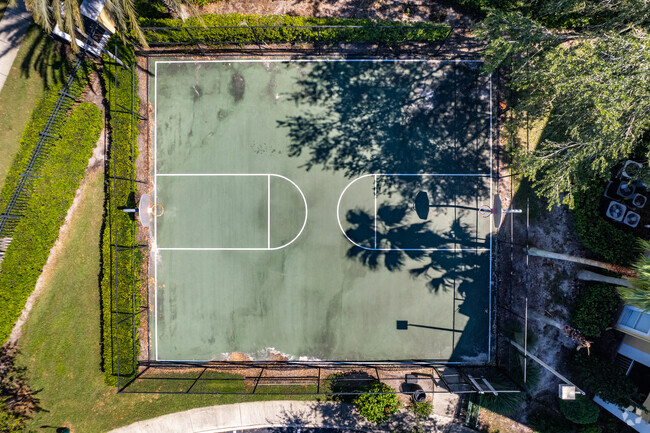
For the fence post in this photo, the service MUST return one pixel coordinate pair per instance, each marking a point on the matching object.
(442, 43)
(194, 40)
(381, 39)
(257, 41)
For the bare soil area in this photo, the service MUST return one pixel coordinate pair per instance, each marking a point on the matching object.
(395, 10)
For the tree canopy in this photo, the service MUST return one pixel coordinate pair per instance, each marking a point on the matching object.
(589, 86)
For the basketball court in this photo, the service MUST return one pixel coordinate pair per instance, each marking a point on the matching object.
(322, 210)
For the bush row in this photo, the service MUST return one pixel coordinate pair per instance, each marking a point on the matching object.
(615, 245)
(243, 29)
(52, 195)
(36, 124)
(204, 2)
(118, 286)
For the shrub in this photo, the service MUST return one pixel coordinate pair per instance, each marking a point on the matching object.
(615, 245)
(204, 2)
(10, 422)
(51, 196)
(606, 380)
(378, 404)
(580, 411)
(505, 404)
(345, 385)
(422, 410)
(242, 29)
(595, 309)
(547, 421)
(590, 429)
(117, 282)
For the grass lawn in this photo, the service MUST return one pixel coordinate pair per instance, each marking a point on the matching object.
(36, 67)
(60, 343)
(3, 6)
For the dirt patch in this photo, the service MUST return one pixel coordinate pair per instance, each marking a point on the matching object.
(412, 11)
(493, 422)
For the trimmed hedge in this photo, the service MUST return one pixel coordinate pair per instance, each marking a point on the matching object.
(615, 245)
(204, 2)
(52, 195)
(119, 227)
(244, 30)
(595, 309)
(580, 411)
(37, 123)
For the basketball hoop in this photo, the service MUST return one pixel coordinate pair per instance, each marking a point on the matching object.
(485, 211)
(499, 211)
(157, 210)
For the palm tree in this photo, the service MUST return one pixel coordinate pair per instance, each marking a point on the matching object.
(638, 295)
(65, 14)
(635, 289)
(532, 251)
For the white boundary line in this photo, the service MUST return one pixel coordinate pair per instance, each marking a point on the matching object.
(321, 61)
(268, 212)
(155, 201)
(305, 201)
(267, 175)
(375, 193)
(489, 351)
(338, 210)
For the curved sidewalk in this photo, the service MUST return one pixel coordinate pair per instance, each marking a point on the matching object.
(266, 414)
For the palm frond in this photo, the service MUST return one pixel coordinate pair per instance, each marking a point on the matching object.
(639, 294)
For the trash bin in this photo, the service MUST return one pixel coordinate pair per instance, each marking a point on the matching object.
(418, 396)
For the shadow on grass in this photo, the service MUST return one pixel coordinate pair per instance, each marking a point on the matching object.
(16, 396)
(44, 57)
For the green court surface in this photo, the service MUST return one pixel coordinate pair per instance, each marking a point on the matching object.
(311, 208)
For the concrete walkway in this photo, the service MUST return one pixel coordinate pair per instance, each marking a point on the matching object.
(13, 26)
(266, 414)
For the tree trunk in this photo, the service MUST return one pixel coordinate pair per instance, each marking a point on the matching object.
(532, 251)
(592, 276)
(570, 332)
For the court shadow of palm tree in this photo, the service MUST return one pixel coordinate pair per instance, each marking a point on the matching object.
(392, 241)
(393, 117)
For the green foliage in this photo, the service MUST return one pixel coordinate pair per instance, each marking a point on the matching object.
(580, 411)
(345, 385)
(422, 410)
(595, 309)
(544, 420)
(117, 284)
(639, 294)
(242, 30)
(204, 2)
(10, 422)
(590, 429)
(606, 380)
(51, 196)
(592, 92)
(505, 404)
(378, 404)
(615, 245)
(151, 9)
